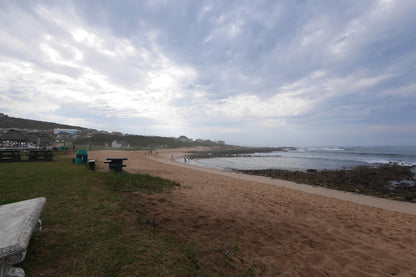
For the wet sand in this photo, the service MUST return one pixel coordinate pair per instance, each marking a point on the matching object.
(272, 227)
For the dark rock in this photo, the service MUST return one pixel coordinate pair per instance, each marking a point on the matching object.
(387, 181)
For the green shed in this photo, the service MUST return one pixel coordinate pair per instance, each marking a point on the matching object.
(81, 157)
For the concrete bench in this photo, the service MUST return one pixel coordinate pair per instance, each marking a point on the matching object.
(18, 221)
(91, 164)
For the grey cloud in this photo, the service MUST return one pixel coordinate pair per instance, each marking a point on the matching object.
(317, 50)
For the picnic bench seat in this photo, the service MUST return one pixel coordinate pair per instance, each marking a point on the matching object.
(116, 164)
(91, 164)
(18, 221)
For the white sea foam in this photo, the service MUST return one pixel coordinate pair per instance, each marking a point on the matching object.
(333, 149)
(402, 163)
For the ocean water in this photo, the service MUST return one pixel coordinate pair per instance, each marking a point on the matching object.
(318, 158)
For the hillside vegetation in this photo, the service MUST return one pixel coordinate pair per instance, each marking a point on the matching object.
(138, 141)
(93, 138)
(21, 123)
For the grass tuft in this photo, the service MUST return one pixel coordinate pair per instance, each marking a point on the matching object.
(125, 182)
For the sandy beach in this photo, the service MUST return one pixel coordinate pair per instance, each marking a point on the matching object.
(271, 227)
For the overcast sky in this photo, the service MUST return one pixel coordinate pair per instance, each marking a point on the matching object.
(267, 73)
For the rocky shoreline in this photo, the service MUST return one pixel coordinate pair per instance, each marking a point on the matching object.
(386, 181)
(233, 151)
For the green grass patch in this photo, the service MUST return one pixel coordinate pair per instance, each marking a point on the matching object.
(90, 227)
(125, 182)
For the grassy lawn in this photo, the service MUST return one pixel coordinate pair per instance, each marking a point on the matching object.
(90, 227)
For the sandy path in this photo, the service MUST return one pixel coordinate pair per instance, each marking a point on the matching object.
(263, 226)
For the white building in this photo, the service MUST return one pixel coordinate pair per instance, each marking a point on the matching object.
(119, 144)
(67, 131)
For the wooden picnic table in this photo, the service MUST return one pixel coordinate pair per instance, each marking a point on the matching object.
(14, 154)
(10, 154)
(42, 154)
(116, 164)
